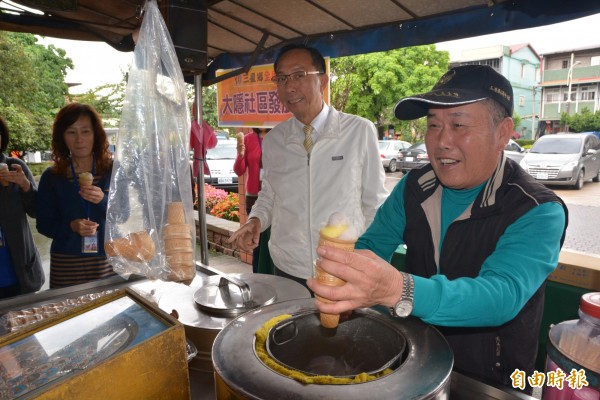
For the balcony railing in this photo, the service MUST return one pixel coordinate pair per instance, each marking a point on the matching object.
(559, 76)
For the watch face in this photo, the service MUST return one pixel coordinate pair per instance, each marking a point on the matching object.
(404, 308)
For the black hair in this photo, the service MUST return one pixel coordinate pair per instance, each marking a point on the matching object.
(3, 135)
(317, 58)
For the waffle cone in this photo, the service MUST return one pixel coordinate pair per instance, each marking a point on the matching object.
(178, 244)
(172, 231)
(4, 167)
(347, 245)
(328, 320)
(175, 213)
(85, 179)
(327, 279)
(183, 272)
(180, 236)
(178, 257)
(137, 246)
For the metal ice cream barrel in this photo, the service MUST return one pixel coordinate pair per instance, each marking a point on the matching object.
(208, 304)
(421, 372)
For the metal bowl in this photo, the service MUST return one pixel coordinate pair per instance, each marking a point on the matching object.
(361, 343)
(424, 372)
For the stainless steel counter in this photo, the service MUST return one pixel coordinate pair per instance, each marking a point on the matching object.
(202, 382)
(461, 388)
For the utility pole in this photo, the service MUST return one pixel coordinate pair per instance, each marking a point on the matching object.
(570, 81)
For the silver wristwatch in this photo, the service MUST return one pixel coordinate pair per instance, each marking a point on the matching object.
(403, 308)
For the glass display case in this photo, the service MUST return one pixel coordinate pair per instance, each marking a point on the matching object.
(102, 342)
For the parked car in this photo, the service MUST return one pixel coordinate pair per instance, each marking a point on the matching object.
(413, 157)
(220, 161)
(566, 159)
(389, 151)
(514, 150)
(222, 135)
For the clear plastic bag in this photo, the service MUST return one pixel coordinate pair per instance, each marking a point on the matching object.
(157, 239)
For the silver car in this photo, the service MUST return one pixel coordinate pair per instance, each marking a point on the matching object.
(389, 151)
(514, 151)
(220, 160)
(566, 159)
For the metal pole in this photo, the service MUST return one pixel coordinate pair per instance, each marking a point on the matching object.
(200, 179)
(533, 115)
(570, 81)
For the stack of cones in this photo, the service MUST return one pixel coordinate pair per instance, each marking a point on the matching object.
(178, 245)
(331, 320)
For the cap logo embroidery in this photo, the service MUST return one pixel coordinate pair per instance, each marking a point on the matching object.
(500, 92)
(445, 94)
(447, 77)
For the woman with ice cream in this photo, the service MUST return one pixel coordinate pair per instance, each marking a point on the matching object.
(20, 265)
(73, 197)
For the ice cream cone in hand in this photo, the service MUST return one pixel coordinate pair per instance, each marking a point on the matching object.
(338, 233)
(85, 179)
(328, 320)
(241, 148)
(4, 167)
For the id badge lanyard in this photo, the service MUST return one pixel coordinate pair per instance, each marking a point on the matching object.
(89, 244)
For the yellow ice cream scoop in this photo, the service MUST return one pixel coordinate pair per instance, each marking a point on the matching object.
(334, 231)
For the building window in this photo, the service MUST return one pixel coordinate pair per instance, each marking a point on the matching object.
(573, 94)
(565, 64)
(521, 101)
(522, 70)
(588, 93)
(552, 95)
(595, 60)
(494, 63)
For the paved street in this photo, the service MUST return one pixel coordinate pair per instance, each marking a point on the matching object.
(583, 232)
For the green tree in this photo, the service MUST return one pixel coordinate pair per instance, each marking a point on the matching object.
(32, 88)
(107, 100)
(584, 121)
(517, 120)
(209, 103)
(370, 85)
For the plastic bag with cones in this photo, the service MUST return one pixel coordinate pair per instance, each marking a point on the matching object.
(152, 164)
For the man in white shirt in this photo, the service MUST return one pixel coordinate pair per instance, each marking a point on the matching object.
(316, 163)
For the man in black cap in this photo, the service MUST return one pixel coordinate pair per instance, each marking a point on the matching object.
(482, 236)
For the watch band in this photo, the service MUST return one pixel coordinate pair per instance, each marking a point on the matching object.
(404, 306)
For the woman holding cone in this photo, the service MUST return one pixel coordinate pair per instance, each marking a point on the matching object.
(72, 210)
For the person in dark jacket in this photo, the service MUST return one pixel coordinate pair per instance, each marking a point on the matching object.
(482, 235)
(20, 264)
(71, 211)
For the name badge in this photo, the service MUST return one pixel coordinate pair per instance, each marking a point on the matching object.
(89, 244)
(337, 158)
(261, 174)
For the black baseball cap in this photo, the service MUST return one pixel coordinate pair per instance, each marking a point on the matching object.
(460, 85)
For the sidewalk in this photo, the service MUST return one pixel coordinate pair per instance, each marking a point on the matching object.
(227, 264)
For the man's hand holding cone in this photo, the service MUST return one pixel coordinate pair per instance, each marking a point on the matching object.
(339, 226)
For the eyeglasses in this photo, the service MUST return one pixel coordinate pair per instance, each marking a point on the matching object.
(294, 76)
